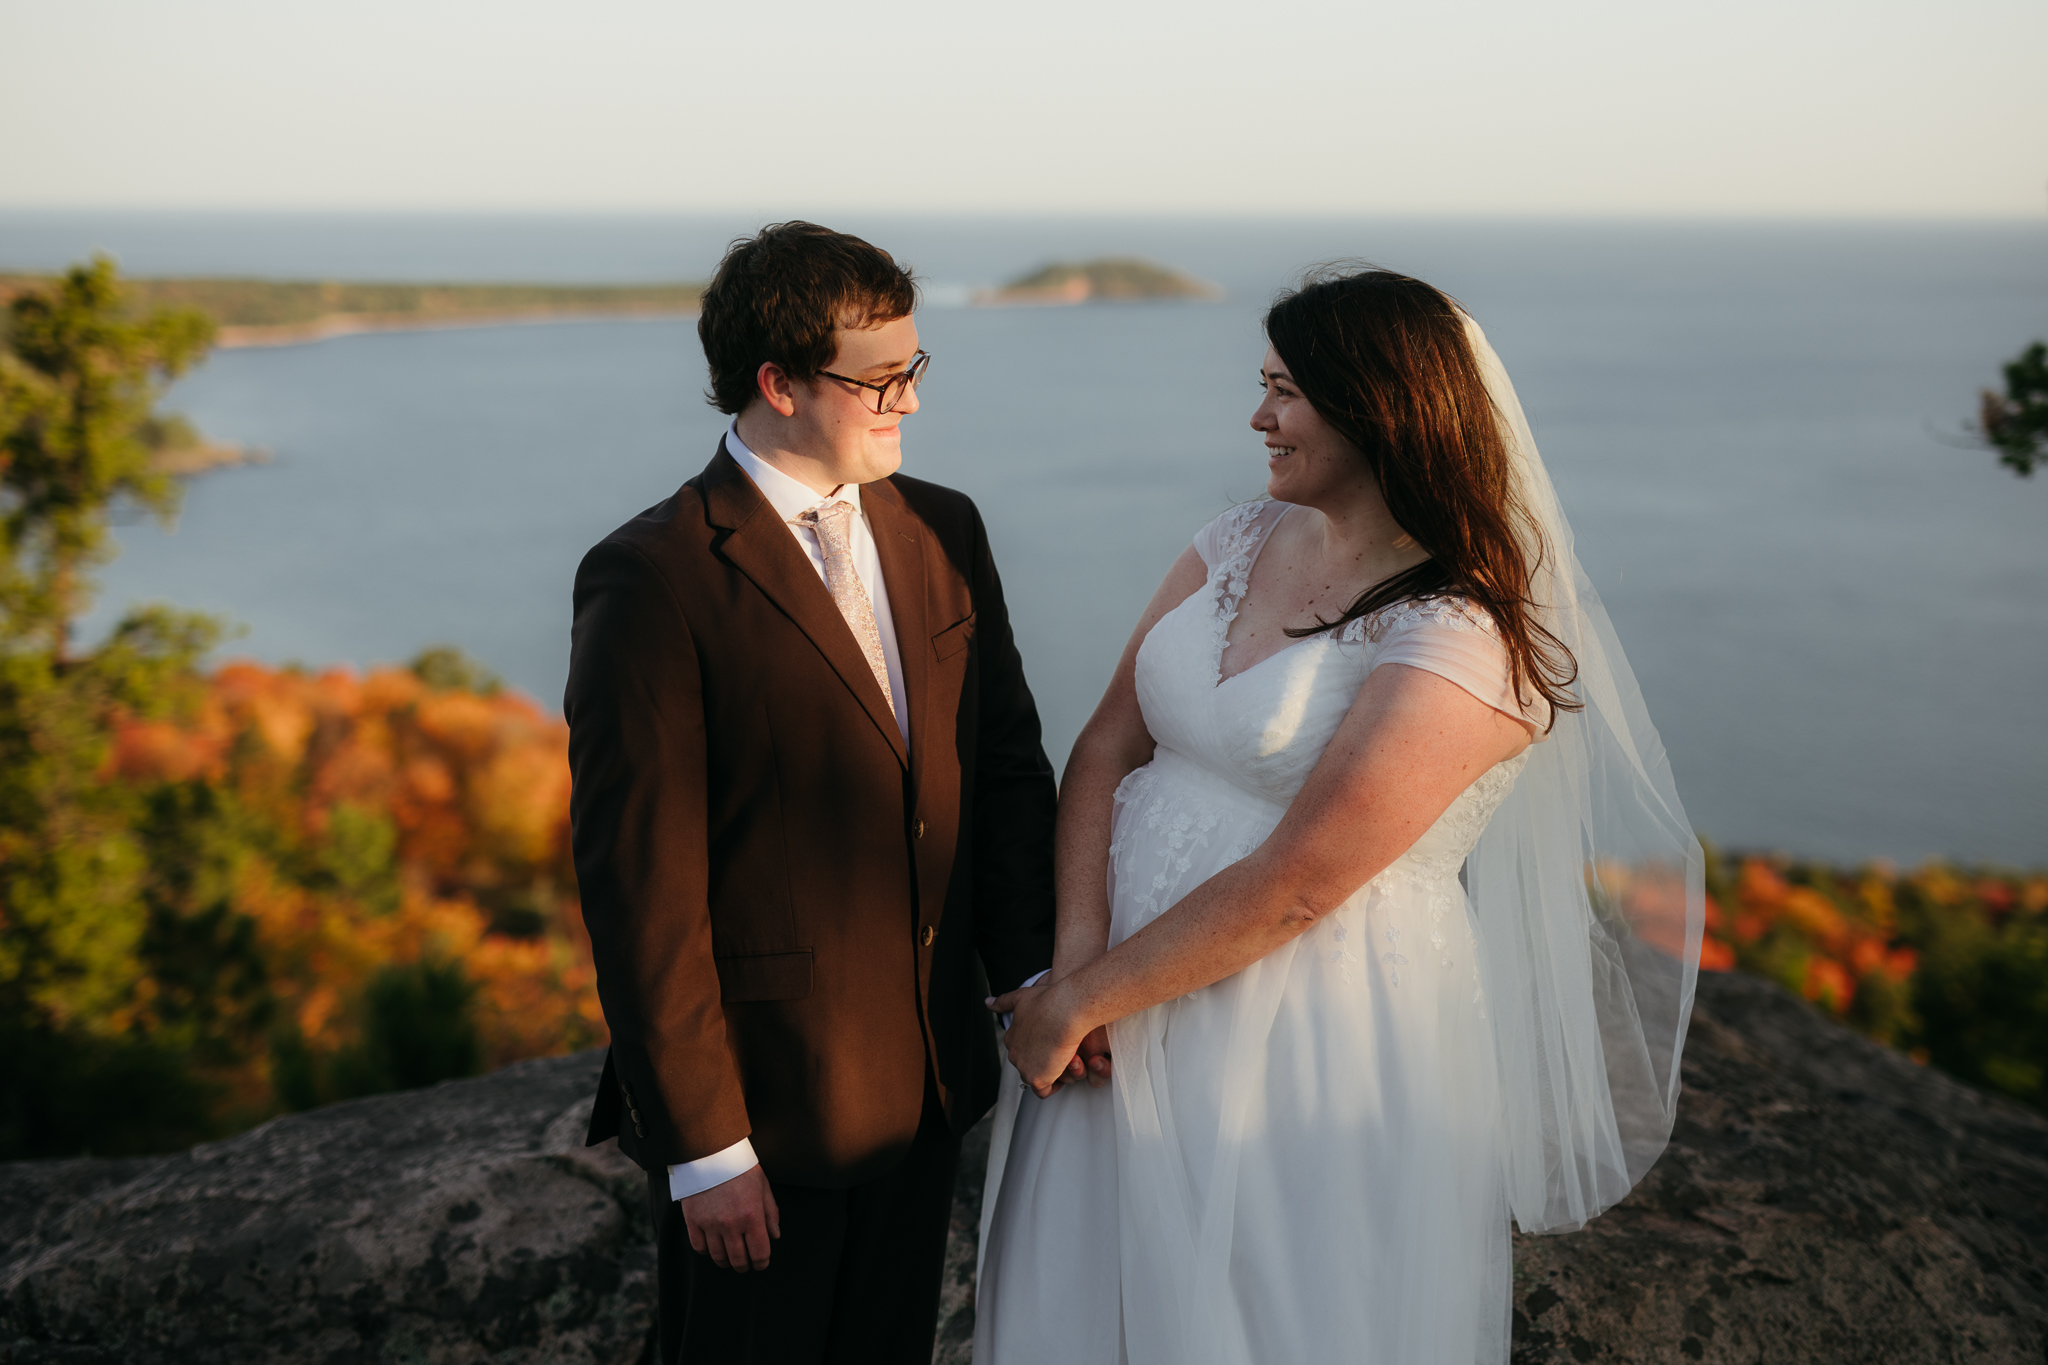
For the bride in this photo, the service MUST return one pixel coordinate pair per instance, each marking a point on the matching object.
(1379, 916)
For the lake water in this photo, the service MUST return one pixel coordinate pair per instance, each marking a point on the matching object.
(1840, 622)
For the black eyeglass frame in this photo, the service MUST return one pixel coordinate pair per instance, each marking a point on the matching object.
(903, 382)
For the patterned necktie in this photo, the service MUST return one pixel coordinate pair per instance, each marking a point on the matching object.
(830, 521)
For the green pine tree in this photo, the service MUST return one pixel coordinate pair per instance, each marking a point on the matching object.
(2015, 423)
(80, 377)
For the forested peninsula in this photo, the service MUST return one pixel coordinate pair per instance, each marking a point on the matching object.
(252, 312)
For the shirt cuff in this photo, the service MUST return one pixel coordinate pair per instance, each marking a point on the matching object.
(686, 1178)
(1031, 981)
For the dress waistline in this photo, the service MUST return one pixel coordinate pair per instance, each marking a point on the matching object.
(1172, 763)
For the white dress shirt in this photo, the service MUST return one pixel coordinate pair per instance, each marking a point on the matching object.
(791, 498)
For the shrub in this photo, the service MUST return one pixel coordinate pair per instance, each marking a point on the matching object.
(1948, 964)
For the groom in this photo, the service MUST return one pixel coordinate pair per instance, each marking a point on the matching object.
(812, 824)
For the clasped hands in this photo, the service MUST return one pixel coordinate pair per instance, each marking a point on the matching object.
(1047, 1044)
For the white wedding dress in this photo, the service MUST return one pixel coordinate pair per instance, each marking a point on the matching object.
(1302, 1162)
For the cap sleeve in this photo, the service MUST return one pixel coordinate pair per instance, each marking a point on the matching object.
(1456, 640)
(1230, 534)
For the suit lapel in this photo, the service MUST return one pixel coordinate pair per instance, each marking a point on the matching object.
(762, 548)
(900, 544)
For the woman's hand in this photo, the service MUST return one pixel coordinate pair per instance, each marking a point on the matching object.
(1092, 1064)
(1044, 1042)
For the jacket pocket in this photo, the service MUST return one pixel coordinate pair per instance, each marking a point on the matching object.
(953, 638)
(765, 976)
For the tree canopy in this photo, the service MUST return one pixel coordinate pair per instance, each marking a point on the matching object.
(80, 378)
(2015, 423)
(227, 893)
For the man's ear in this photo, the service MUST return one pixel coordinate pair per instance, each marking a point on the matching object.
(778, 391)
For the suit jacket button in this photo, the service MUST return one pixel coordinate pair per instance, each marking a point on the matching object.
(927, 936)
(917, 831)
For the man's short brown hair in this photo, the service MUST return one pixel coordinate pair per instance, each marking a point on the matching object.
(779, 296)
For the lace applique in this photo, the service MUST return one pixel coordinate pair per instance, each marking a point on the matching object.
(1443, 898)
(1338, 954)
(1237, 546)
(1457, 613)
(1394, 958)
(1183, 832)
(1432, 879)
(1128, 792)
(1180, 823)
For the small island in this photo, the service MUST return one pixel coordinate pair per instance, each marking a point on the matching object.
(1106, 279)
(284, 312)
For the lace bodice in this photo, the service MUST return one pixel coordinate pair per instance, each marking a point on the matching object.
(1263, 730)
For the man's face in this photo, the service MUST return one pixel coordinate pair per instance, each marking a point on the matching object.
(841, 429)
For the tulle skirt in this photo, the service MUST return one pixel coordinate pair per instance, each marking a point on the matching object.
(1299, 1163)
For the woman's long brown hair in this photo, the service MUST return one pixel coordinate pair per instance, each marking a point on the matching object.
(1383, 359)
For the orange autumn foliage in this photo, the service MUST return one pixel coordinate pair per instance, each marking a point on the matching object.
(1715, 954)
(1819, 944)
(1948, 965)
(1938, 961)
(394, 823)
(365, 822)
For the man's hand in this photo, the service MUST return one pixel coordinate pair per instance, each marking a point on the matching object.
(732, 1223)
(1093, 1058)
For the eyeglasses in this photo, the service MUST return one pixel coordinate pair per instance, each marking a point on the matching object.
(890, 391)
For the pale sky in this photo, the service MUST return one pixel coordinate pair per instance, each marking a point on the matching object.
(1737, 107)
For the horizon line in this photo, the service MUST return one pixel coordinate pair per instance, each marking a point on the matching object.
(1155, 214)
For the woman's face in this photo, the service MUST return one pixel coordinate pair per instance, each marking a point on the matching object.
(1307, 460)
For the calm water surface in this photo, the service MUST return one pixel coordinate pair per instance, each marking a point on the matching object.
(1839, 622)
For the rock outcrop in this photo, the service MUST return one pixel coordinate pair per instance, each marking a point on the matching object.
(1824, 1200)
(462, 1223)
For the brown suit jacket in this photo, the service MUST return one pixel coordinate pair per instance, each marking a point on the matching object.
(793, 917)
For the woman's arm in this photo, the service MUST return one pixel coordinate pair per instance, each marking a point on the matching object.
(1114, 744)
(1412, 742)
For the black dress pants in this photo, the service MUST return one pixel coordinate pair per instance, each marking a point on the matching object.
(853, 1280)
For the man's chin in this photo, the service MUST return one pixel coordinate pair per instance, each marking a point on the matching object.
(883, 463)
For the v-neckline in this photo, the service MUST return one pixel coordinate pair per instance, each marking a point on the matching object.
(1223, 640)
(1253, 668)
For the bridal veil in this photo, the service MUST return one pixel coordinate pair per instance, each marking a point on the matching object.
(1588, 890)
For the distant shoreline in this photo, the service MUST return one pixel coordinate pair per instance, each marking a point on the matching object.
(263, 336)
(255, 313)
(258, 312)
